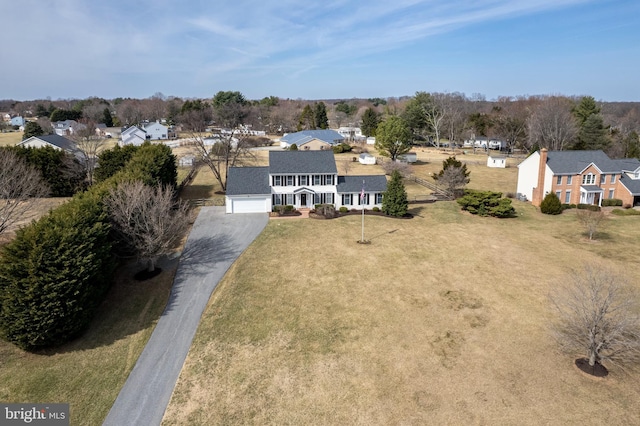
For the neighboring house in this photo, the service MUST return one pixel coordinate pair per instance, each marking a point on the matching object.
(500, 162)
(579, 177)
(156, 131)
(371, 140)
(133, 136)
(17, 121)
(312, 140)
(366, 158)
(67, 127)
(55, 141)
(351, 133)
(301, 179)
(409, 157)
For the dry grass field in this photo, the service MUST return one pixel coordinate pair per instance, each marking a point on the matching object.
(442, 319)
(10, 138)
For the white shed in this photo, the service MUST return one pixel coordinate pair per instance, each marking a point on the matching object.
(409, 157)
(371, 140)
(366, 158)
(500, 162)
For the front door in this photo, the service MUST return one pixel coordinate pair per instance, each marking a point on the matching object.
(303, 200)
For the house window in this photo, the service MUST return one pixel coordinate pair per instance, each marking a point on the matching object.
(317, 180)
(611, 193)
(326, 198)
(589, 179)
(603, 179)
(291, 180)
(559, 195)
(378, 198)
(290, 199)
(316, 199)
(277, 199)
(613, 178)
(559, 180)
(569, 180)
(277, 180)
(346, 199)
(366, 200)
(328, 180)
(567, 197)
(303, 180)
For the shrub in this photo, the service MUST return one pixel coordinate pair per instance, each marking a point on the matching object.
(486, 203)
(289, 208)
(394, 200)
(510, 195)
(551, 204)
(627, 206)
(376, 209)
(343, 209)
(590, 207)
(293, 147)
(343, 147)
(568, 206)
(54, 274)
(326, 210)
(609, 202)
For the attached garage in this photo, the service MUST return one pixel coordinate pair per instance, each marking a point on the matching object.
(247, 204)
(248, 190)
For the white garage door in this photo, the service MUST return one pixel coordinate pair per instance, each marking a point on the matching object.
(249, 205)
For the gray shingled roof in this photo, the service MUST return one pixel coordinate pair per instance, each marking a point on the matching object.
(373, 183)
(329, 136)
(574, 162)
(57, 140)
(248, 181)
(302, 162)
(633, 185)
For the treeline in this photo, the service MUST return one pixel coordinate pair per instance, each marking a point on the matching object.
(57, 270)
(557, 122)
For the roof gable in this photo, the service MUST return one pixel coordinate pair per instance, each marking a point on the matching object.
(575, 162)
(55, 140)
(248, 181)
(302, 162)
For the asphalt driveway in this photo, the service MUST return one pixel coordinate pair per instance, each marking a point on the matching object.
(215, 242)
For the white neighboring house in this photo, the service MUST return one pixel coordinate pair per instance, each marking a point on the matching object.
(312, 139)
(301, 179)
(54, 141)
(156, 131)
(133, 136)
(350, 133)
(500, 162)
(366, 158)
(67, 127)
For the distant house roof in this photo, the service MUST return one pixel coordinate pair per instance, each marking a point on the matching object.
(248, 181)
(373, 183)
(302, 162)
(55, 140)
(329, 136)
(574, 162)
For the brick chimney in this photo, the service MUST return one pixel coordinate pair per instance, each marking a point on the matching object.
(538, 191)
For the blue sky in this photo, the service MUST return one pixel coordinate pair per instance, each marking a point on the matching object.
(320, 50)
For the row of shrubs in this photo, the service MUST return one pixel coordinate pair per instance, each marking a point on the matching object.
(551, 205)
(57, 270)
(486, 203)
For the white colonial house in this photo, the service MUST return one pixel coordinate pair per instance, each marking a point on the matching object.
(301, 179)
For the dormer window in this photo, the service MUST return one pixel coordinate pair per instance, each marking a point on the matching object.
(589, 179)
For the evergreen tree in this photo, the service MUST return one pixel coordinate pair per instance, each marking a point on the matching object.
(586, 108)
(592, 134)
(31, 128)
(454, 175)
(370, 121)
(107, 118)
(394, 199)
(112, 161)
(551, 204)
(306, 121)
(320, 116)
(631, 145)
(55, 274)
(393, 137)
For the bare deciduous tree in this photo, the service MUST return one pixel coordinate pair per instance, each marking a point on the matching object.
(454, 180)
(20, 186)
(597, 316)
(551, 125)
(591, 220)
(149, 219)
(89, 145)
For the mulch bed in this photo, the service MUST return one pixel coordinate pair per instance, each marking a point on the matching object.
(598, 370)
(315, 215)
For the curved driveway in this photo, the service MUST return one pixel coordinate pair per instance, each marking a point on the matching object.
(215, 242)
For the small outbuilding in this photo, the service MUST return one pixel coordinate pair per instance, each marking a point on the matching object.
(499, 162)
(409, 157)
(366, 158)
